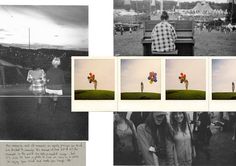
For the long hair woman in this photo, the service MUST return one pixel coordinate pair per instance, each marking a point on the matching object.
(37, 78)
(155, 140)
(182, 138)
(55, 81)
(125, 141)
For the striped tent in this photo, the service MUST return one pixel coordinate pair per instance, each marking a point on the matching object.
(4, 65)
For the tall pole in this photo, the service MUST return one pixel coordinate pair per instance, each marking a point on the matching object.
(29, 38)
(161, 6)
(232, 11)
(150, 10)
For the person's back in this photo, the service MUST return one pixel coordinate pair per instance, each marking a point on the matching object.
(163, 36)
(34, 75)
(56, 78)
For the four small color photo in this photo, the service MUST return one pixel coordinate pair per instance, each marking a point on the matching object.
(223, 79)
(140, 79)
(185, 79)
(94, 79)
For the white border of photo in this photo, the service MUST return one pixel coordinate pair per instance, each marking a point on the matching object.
(163, 104)
(93, 105)
(140, 105)
(219, 105)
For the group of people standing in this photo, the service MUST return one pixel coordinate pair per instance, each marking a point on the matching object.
(50, 82)
(161, 139)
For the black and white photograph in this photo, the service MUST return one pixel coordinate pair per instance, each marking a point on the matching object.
(36, 45)
(23, 119)
(174, 27)
(175, 138)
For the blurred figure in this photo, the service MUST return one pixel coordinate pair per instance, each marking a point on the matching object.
(233, 119)
(204, 134)
(186, 84)
(114, 27)
(163, 35)
(233, 87)
(156, 141)
(37, 78)
(234, 128)
(182, 138)
(125, 141)
(95, 84)
(121, 29)
(55, 82)
(142, 87)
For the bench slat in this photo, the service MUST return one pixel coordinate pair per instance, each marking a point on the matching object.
(182, 24)
(187, 40)
(179, 34)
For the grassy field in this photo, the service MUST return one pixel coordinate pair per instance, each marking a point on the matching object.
(140, 96)
(224, 96)
(94, 95)
(185, 95)
(206, 43)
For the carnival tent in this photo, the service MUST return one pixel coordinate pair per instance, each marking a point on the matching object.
(203, 8)
(11, 72)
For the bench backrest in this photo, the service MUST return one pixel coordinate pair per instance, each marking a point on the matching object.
(183, 28)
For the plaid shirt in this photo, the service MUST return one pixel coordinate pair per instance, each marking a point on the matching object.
(37, 78)
(163, 37)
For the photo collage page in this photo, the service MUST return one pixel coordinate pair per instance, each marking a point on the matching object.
(118, 82)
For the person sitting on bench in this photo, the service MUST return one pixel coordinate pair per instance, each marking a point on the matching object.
(163, 36)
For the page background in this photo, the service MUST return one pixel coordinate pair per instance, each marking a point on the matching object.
(99, 148)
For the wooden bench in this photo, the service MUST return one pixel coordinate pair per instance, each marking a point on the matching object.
(185, 37)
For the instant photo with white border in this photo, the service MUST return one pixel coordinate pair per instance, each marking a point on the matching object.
(223, 104)
(163, 104)
(90, 104)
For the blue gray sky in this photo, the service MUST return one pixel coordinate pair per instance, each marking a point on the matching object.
(135, 71)
(103, 69)
(223, 74)
(63, 26)
(194, 69)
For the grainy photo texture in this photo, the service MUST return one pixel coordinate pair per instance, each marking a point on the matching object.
(36, 45)
(174, 28)
(174, 138)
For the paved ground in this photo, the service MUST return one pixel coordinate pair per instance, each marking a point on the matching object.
(20, 120)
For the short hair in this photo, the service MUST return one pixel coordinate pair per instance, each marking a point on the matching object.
(164, 15)
(56, 61)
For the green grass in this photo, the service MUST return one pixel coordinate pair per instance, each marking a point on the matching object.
(94, 95)
(224, 96)
(140, 96)
(185, 95)
(206, 43)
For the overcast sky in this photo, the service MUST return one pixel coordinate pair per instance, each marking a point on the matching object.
(195, 71)
(65, 26)
(103, 70)
(223, 74)
(134, 71)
